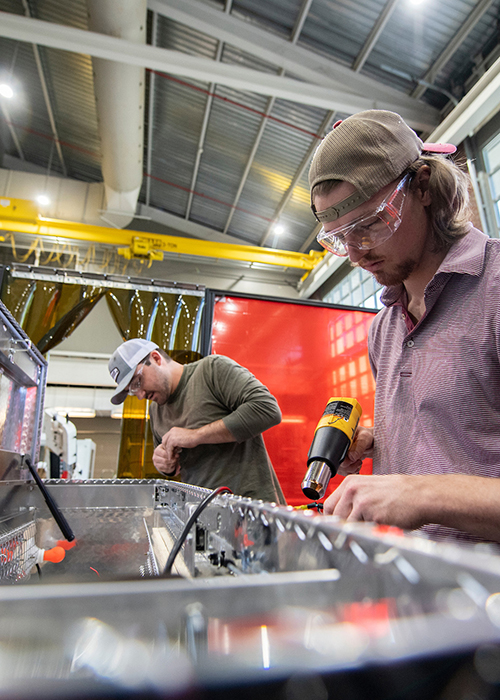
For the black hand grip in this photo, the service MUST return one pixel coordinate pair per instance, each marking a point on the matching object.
(52, 505)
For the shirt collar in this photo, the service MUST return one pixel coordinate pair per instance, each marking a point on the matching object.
(466, 256)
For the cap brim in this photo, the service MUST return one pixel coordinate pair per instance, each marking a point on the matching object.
(121, 391)
(439, 148)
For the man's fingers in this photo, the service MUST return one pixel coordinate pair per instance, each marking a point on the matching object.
(347, 467)
(172, 453)
(361, 445)
(172, 470)
(357, 451)
(342, 501)
(343, 507)
(354, 516)
(169, 469)
(164, 464)
(169, 447)
(331, 502)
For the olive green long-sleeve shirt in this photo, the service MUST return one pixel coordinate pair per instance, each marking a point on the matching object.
(217, 388)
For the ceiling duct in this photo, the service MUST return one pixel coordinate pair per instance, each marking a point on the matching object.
(119, 92)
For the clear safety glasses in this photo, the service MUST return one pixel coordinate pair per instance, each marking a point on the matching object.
(370, 230)
(136, 384)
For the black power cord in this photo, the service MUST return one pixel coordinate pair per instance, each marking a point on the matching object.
(187, 527)
(49, 500)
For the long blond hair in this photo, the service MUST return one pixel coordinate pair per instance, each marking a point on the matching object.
(449, 191)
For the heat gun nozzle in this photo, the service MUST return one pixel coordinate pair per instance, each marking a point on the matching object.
(316, 480)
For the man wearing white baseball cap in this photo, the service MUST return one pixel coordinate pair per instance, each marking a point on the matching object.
(207, 417)
(398, 208)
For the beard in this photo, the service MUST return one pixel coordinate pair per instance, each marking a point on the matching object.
(163, 389)
(396, 275)
(163, 393)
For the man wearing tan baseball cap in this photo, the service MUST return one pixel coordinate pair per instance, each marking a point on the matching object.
(397, 207)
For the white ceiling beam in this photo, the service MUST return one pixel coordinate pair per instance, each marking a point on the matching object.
(10, 126)
(282, 53)
(300, 20)
(480, 104)
(304, 248)
(202, 136)
(374, 35)
(311, 67)
(123, 51)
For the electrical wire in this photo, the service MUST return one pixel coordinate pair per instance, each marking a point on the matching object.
(22, 258)
(310, 506)
(180, 540)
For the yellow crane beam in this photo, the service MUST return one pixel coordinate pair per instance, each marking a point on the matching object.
(21, 215)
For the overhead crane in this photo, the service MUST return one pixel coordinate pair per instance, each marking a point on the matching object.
(22, 216)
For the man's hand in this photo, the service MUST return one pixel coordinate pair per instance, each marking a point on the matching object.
(164, 464)
(210, 434)
(166, 455)
(466, 503)
(177, 438)
(392, 499)
(361, 448)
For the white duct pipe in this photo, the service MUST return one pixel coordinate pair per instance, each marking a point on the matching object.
(119, 92)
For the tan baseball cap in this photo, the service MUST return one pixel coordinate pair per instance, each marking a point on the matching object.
(369, 149)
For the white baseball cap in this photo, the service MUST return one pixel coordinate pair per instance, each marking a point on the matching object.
(123, 363)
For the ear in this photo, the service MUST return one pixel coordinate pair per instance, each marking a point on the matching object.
(421, 185)
(155, 357)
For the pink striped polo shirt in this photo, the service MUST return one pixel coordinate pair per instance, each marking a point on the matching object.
(437, 402)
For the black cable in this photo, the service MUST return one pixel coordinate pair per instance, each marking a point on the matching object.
(317, 505)
(49, 500)
(187, 527)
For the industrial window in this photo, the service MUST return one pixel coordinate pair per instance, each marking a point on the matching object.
(359, 288)
(491, 157)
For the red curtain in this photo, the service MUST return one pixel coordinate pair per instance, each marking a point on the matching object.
(304, 354)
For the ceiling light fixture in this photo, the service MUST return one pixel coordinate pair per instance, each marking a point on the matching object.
(43, 200)
(279, 229)
(6, 91)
